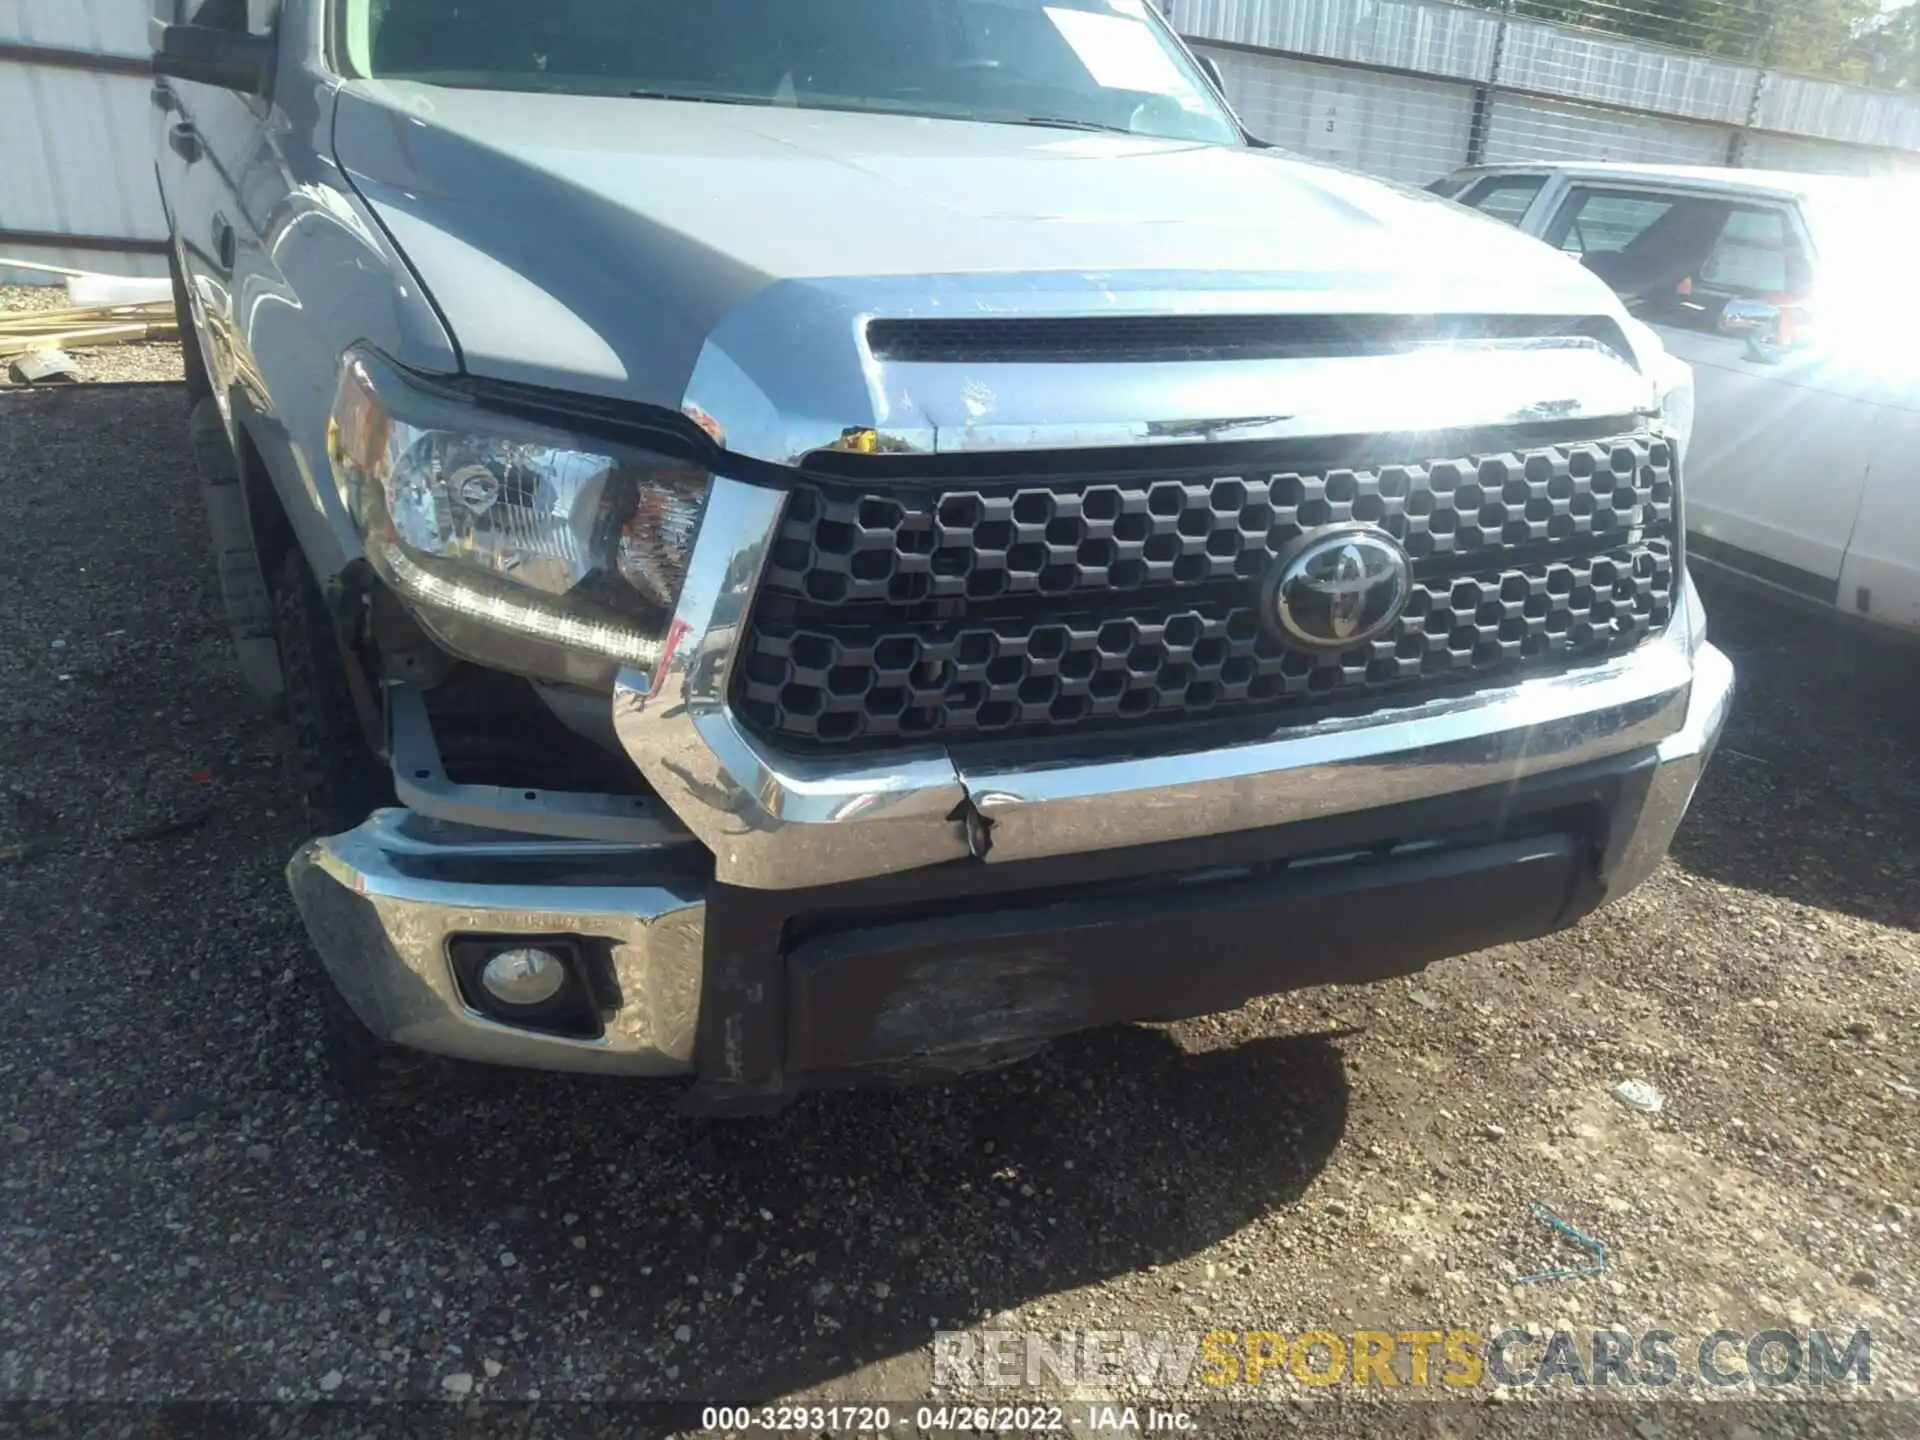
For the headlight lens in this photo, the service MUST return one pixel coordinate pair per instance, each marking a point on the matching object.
(517, 546)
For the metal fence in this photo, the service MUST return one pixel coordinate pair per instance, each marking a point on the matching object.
(76, 160)
(1411, 89)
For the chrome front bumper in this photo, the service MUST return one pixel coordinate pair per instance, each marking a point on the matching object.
(382, 901)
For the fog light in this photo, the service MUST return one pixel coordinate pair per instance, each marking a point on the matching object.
(524, 977)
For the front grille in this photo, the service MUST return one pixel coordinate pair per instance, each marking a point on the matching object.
(1017, 608)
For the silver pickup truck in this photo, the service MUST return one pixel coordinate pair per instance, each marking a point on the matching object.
(801, 540)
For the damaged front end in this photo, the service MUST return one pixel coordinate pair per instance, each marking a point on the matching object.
(963, 722)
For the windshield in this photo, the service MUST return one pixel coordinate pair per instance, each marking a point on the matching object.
(1094, 64)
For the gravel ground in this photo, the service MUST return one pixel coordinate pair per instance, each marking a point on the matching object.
(187, 1213)
(150, 360)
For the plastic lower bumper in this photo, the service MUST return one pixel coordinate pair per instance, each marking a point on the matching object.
(755, 990)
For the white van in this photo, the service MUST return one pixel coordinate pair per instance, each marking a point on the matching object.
(1796, 298)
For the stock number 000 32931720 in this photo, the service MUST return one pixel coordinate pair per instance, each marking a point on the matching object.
(797, 1419)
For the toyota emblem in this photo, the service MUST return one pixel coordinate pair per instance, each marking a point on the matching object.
(1336, 588)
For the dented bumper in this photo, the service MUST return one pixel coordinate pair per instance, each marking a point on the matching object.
(917, 911)
(759, 992)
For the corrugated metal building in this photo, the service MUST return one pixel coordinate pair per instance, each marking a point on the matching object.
(75, 158)
(1410, 89)
(1407, 89)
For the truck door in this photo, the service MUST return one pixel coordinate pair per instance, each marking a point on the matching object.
(1783, 441)
(209, 143)
(1881, 581)
(178, 165)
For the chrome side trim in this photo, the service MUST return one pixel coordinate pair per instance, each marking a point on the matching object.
(776, 821)
(382, 900)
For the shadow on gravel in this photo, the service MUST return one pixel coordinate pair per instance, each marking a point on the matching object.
(1814, 795)
(843, 1232)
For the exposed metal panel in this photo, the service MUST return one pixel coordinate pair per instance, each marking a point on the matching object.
(1446, 40)
(1619, 72)
(1823, 157)
(75, 154)
(1409, 130)
(1521, 128)
(107, 27)
(1839, 112)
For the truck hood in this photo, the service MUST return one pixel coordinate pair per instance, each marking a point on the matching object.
(725, 261)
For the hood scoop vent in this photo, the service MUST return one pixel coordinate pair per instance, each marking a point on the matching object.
(1172, 339)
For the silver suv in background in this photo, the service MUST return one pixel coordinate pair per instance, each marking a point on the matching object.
(1796, 299)
(810, 539)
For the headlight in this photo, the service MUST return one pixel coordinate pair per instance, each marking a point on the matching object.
(517, 546)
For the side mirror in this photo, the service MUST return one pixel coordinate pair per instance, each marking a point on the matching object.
(1211, 68)
(1771, 331)
(230, 59)
(1749, 319)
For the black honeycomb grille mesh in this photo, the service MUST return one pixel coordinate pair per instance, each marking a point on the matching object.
(844, 548)
(1036, 607)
